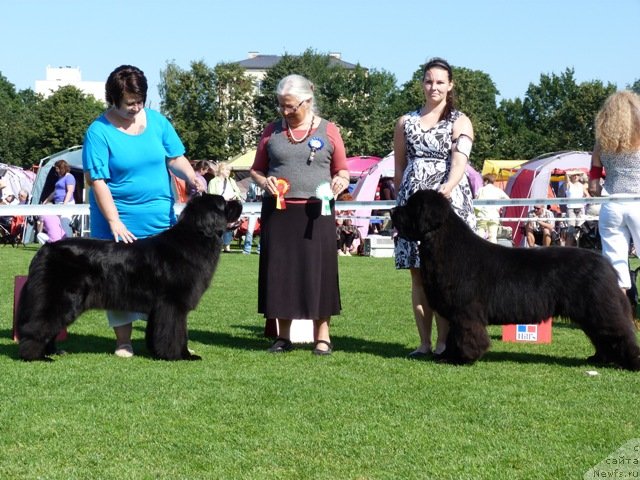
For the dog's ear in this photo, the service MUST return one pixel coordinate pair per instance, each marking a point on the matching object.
(424, 212)
(433, 208)
(404, 223)
(232, 210)
(205, 214)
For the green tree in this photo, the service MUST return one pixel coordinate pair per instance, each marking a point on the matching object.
(635, 86)
(9, 113)
(514, 140)
(358, 101)
(560, 113)
(24, 131)
(409, 97)
(16, 112)
(211, 108)
(60, 121)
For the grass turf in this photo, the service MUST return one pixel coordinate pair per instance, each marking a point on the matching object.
(523, 411)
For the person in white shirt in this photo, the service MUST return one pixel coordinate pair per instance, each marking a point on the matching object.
(223, 184)
(540, 227)
(488, 216)
(575, 187)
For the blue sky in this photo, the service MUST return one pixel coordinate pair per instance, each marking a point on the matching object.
(514, 41)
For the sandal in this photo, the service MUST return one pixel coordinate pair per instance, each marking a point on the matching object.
(281, 345)
(124, 351)
(418, 355)
(328, 351)
(440, 357)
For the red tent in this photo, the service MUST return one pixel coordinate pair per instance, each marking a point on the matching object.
(533, 180)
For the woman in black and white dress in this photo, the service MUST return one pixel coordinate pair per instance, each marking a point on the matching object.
(431, 148)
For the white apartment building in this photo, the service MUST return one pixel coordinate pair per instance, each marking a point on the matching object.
(62, 76)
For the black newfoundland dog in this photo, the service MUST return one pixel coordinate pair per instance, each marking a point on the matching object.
(163, 276)
(474, 283)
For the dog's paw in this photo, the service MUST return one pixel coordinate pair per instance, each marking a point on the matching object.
(598, 359)
(191, 355)
(192, 358)
(39, 359)
(634, 365)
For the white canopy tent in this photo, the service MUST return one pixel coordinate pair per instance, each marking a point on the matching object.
(46, 178)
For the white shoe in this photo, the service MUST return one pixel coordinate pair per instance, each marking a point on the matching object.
(340, 253)
(124, 351)
(347, 253)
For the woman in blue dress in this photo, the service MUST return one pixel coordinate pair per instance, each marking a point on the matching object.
(431, 148)
(127, 155)
(63, 193)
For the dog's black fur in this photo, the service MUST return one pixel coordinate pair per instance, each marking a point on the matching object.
(473, 283)
(164, 276)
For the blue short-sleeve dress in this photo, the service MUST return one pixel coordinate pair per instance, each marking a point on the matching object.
(135, 170)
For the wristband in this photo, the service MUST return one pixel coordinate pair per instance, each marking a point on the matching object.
(595, 173)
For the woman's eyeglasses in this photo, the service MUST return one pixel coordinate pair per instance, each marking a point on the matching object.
(282, 109)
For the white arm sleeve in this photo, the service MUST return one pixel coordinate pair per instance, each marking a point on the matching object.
(463, 145)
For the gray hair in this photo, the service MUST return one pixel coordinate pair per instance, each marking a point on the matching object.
(299, 87)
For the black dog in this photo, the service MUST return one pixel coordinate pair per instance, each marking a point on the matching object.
(163, 276)
(473, 283)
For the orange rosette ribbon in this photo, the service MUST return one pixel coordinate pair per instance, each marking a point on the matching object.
(283, 186)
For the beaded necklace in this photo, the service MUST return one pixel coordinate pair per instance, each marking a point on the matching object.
(293, 139)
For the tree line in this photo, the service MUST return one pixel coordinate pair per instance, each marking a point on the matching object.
(219, 111)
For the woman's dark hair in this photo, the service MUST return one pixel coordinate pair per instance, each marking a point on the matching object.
(437, 62)
(63, 166)
(125, 79)
(202, 165)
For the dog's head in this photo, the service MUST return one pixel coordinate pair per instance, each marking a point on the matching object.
(210, 214)
(424, 212)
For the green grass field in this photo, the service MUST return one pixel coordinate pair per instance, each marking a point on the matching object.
(522, 412)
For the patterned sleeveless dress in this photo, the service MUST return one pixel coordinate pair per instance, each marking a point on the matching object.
(428, 166)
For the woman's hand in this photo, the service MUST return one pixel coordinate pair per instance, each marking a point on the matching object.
(120, 232)
(181, 168)
(197, 186)
(270, 185)
(338, 184)
(446, 189)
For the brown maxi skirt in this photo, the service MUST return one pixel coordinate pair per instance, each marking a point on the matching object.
(298, 275)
